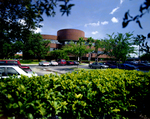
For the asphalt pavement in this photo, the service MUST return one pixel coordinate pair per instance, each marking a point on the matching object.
(41, 70)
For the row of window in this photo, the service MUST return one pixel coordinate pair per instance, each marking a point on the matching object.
(66, 42)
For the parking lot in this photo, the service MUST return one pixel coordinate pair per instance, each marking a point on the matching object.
(41, 70)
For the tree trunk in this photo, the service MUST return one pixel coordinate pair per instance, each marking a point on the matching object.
(89, 58)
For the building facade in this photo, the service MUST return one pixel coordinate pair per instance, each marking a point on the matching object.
(64, 36)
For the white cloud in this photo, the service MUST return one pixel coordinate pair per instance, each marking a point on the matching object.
(38, 30)
(22, 21)
(94, 32)
(114, 10)
(121, 1)
(104, 22)
(92, 24)
(114, 20)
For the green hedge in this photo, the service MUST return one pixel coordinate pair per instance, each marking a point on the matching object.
(112, 93)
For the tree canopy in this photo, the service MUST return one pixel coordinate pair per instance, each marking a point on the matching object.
(19, 17)
(36, 47)
(140, 39)
(119, 45)
(77, 49)
(58, 54)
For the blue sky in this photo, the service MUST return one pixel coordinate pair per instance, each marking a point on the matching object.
(97, 18)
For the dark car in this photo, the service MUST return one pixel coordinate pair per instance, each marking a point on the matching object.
(127, 67)
(141, 66)
(61, 62)
(70, 62)
(111, 64)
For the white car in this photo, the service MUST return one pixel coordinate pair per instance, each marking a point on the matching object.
(44, 63)
(54, 63)
(6, 71)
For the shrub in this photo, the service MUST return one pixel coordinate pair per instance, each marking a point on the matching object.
(97, 93)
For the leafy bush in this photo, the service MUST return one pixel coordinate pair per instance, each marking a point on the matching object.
(97, 93)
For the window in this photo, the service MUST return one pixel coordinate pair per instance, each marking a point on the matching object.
(2, 61)
(51, 49)
(2, 71)
(15, 62)
(11, 71)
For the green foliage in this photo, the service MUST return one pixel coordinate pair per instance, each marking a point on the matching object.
(144, 8)
(36, 46)
(140, 40)
(90, 42)
(96, 93)
(18, 18)
(119, 46)
(145, 57)
(99, 44)
(77, 49)
(59, 54)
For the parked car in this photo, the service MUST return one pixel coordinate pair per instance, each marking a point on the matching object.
(61, 62)
(29, 71)
(12, 62)
(111, 64)
(44, 63)
(53, 63)
(76, 62)
(96, 65)
(70, 62)
(7, 70)
(128, 67)
(141, 66)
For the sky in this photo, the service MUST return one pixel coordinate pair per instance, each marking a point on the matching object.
(97, 18)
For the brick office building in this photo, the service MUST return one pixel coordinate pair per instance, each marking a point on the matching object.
(64, 36)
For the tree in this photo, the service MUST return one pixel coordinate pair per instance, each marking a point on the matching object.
(19, 17)
(58, 54)
(77, 49)
(144, 9)
(9, 49)
(140, 40)
(36, 46)
(145, 56)
(90, 41)
(98, 44)
(119, 46)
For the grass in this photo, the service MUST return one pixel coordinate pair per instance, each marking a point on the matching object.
(28, 62)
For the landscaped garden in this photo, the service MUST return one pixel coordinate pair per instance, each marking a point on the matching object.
(110, 93)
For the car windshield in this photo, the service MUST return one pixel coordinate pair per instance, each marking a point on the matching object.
(26, 69)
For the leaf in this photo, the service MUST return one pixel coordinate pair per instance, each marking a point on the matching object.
(139, 24)
(126, 15)
(124, 24)
(19, 103)
(42, 111)
(116, 110)
(30, 116)
(9, 96)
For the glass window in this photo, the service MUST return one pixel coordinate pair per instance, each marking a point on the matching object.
(2, 61)
(11, 71)
(2, 71)
(14, 62)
